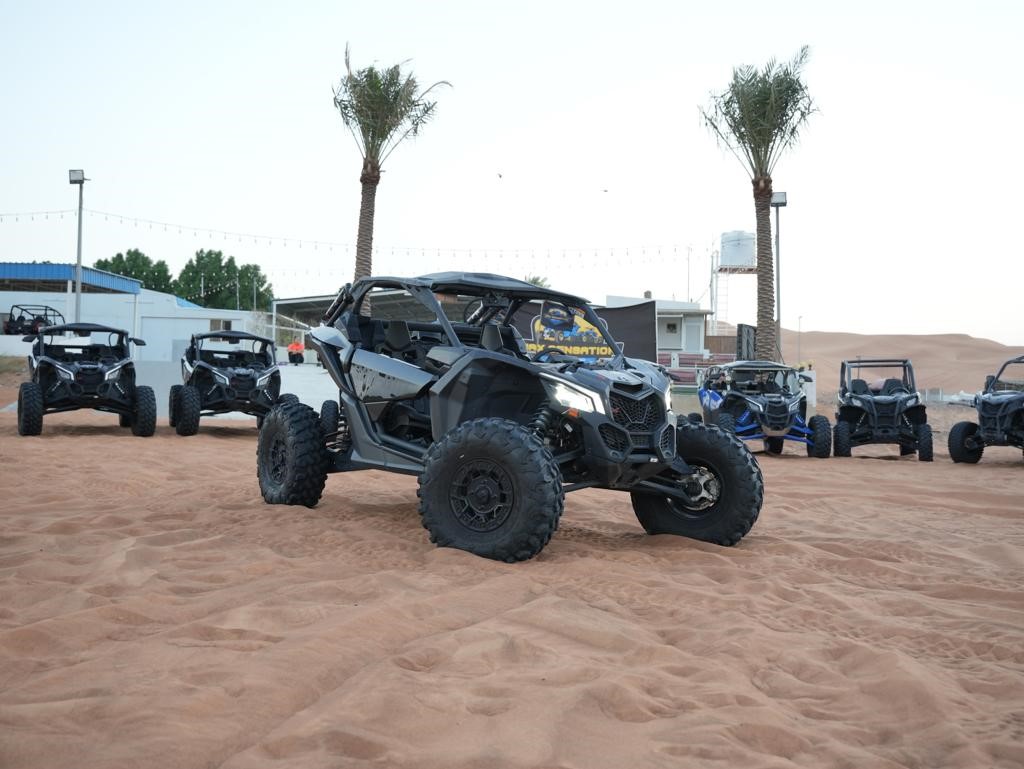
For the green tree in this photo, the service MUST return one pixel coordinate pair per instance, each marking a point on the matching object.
(380, 107)
(135, 264)
(758, 116)
(538, 280)
(210, 280)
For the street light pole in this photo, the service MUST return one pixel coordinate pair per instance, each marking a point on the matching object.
(78, 177)
(778, 201)
(799, 331)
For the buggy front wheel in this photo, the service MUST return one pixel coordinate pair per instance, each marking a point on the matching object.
(291, 461)
(820, 446)
(961, 448)
(190, 406)
(924, 442)
(490, 487)
(726, 490)
(173, 398)
(841, 444)
(144, 418)
(30, 409)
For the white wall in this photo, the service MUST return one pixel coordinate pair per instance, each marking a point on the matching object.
(154, 316)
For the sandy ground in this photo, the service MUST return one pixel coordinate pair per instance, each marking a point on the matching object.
(155, 612)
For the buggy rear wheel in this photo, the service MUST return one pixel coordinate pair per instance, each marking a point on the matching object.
(490, 487)
(726, 487)
(30, 409)
(144, 418)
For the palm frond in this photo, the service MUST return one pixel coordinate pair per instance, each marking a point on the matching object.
(381, 107)
(761, 112)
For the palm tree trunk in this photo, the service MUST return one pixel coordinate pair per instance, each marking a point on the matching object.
(369, 178)
(765, 346)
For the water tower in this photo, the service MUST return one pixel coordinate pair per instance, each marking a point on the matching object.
(736, 257)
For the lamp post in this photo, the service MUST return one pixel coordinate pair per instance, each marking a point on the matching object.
(778, 201)
(799, 331)
(78, 177)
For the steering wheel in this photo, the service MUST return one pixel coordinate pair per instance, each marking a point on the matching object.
(544, 356)
(475, 305)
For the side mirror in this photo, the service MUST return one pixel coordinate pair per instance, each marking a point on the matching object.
(805, 378)
(989, 380)
(139, 342)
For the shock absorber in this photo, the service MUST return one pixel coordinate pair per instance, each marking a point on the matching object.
(542, 420)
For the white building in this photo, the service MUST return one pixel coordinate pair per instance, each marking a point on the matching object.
(681, 325)
(166, 322)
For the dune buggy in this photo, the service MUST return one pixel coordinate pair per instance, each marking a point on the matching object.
(84, 366)
(1000, 415)
(878, 402)
(29, 318)
(439, 382)
(224, 371)
(762, 400)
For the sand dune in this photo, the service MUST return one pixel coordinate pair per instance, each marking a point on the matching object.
(155, 612)
(159, 614)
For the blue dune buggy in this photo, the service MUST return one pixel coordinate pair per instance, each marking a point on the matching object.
(762, 400)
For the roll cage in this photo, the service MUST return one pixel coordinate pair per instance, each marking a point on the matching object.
(999, 382)
(262, 350)
(116, 348)
(851, 383)
(492, 300)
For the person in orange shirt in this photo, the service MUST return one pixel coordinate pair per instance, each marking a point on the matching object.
(295, 350)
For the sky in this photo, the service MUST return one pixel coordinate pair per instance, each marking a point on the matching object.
(568, 145)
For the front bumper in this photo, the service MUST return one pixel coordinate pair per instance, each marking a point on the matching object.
(619, 451)
(88, 393)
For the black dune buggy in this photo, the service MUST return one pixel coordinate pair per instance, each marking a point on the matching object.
(446, 389)
(878, 402)
(1000, 415)
(84, 366)
(225, 371)
(762, 400)
(29, 318)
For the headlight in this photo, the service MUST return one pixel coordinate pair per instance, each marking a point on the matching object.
(266, 377)
(755, 406)
(222, 377)
(795, 405)
(63, 373)
(571, 397)
(114, 373)
(913, 400)
(668, 396)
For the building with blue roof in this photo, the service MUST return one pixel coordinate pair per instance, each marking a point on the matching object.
(165, 321)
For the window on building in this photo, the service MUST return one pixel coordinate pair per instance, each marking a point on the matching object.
(220, 325)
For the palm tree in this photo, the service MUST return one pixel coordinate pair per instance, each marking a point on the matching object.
(537, 280)
(381, 107)
(759, 115)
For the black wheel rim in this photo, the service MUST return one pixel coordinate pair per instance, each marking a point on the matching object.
(278, 459)
(704, 487)
(482, 495)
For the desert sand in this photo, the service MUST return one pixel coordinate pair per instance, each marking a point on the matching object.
(155, 612)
